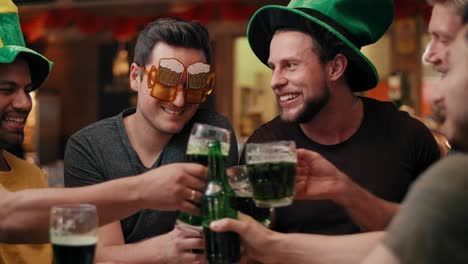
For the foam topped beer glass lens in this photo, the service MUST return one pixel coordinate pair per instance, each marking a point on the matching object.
(73, 233)
(272, 172)
(165, 80)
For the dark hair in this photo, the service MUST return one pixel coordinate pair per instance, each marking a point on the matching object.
(327, 46)
(175, 32)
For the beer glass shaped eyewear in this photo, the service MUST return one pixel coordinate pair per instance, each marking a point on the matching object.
(73, 233)
(239, 181)
(272, 172)
(200, 136)
(165, 80)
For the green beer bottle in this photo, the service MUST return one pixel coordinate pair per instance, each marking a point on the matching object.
(197, 152)
(217, 203)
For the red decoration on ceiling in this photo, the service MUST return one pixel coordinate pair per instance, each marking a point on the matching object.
(407, 8)
(125, 28)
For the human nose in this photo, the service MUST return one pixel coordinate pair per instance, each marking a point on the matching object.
(431, 55)
(277, 79)
(22, 100)
(179, 99)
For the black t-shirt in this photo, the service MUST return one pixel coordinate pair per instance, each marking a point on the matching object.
(384, 156)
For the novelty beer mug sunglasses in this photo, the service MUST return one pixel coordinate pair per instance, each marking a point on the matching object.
(164, 80)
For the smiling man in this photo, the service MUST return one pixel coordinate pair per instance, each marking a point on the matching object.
(369, 152)
(21, 71)
(445, 22)
(171, 74)
(429, 228)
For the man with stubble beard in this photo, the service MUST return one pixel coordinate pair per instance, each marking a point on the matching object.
(365, 152)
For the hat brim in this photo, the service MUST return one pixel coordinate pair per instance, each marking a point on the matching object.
(268, 19)
(39, 65)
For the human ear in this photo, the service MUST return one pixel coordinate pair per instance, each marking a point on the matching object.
(135, 78)
(337, 67)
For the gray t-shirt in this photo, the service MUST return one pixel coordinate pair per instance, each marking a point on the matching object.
(432, 224)
(102, 152)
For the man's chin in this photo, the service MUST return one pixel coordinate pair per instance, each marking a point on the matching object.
(289, 117)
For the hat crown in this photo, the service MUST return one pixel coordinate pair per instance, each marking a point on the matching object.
(366, 20)
(10, 29)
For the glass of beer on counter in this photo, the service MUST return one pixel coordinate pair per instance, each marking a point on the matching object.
(272, 172)
(73, 233)
(239, 181)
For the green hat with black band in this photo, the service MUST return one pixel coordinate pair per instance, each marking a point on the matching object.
(12, 44)
(356, 23)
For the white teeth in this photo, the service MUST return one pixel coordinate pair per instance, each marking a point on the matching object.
(15, 120)
(172, 112)
(288, 97)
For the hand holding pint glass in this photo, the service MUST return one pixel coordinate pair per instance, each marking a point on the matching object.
(73, 233)
(272, 171)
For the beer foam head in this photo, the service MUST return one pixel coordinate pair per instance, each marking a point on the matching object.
(199, 145)
(278, 151)
(198, 67)
(74, 240)
(172, 64)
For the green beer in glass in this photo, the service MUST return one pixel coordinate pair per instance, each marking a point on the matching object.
(239, 181)
(272, 172)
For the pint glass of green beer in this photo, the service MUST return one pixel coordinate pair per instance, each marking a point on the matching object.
(272, 172)
(239, 181)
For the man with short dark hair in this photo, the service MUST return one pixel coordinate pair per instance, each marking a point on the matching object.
(429, 228)
(366, 152)
(24, 204)
(171, 60)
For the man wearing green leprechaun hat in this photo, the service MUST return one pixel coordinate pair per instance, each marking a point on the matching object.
(24, 204)
(431, 225)
(21, 71)
(365, 152)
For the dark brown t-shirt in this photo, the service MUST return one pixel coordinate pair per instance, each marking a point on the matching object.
(385, 155)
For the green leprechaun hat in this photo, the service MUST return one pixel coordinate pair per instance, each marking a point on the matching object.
(356, 23)
(12, 44)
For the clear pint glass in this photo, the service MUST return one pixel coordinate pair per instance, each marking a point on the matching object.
(272, 172)
(73, 233)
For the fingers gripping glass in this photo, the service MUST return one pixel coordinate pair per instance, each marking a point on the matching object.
(164, 80)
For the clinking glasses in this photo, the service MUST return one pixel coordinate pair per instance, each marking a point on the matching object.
(164, 80)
